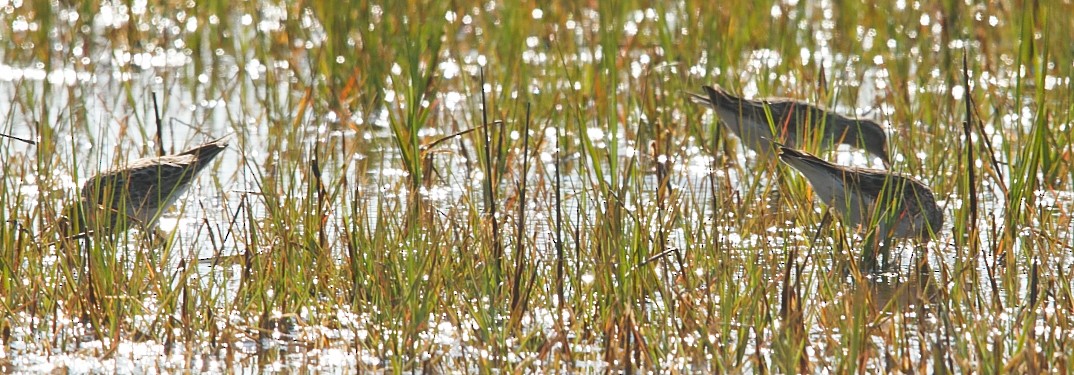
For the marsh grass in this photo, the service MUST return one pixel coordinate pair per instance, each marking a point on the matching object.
(429, 186)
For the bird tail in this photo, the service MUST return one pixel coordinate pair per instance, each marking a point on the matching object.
(800, 159)
(699, 99)
(718, 98)
(208, 151)
(787, 152)
(714, 97)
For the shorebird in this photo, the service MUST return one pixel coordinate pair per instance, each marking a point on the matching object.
(137, 194)
(906, 207)
(791, 120)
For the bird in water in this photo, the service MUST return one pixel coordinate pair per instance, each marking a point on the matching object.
(137, 194)
(906, 207)
(791, 123)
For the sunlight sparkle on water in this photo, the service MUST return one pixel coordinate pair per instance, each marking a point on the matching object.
(595, 133)
(775, 11)
(764, 59)
(452, 100)
(450, 68)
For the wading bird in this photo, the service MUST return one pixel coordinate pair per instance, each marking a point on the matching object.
(791, 121)
(900, 206)
(137, 194)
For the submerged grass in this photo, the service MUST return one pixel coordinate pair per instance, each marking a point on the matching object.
(425, 186)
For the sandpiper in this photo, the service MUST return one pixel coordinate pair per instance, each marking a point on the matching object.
(113, 201)
(748, 119)
(906, 206)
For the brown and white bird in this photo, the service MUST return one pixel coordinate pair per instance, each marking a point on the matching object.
(791, 123)
(137, 194)
(906, 207)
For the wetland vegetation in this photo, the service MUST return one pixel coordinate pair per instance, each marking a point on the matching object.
(464, 186)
